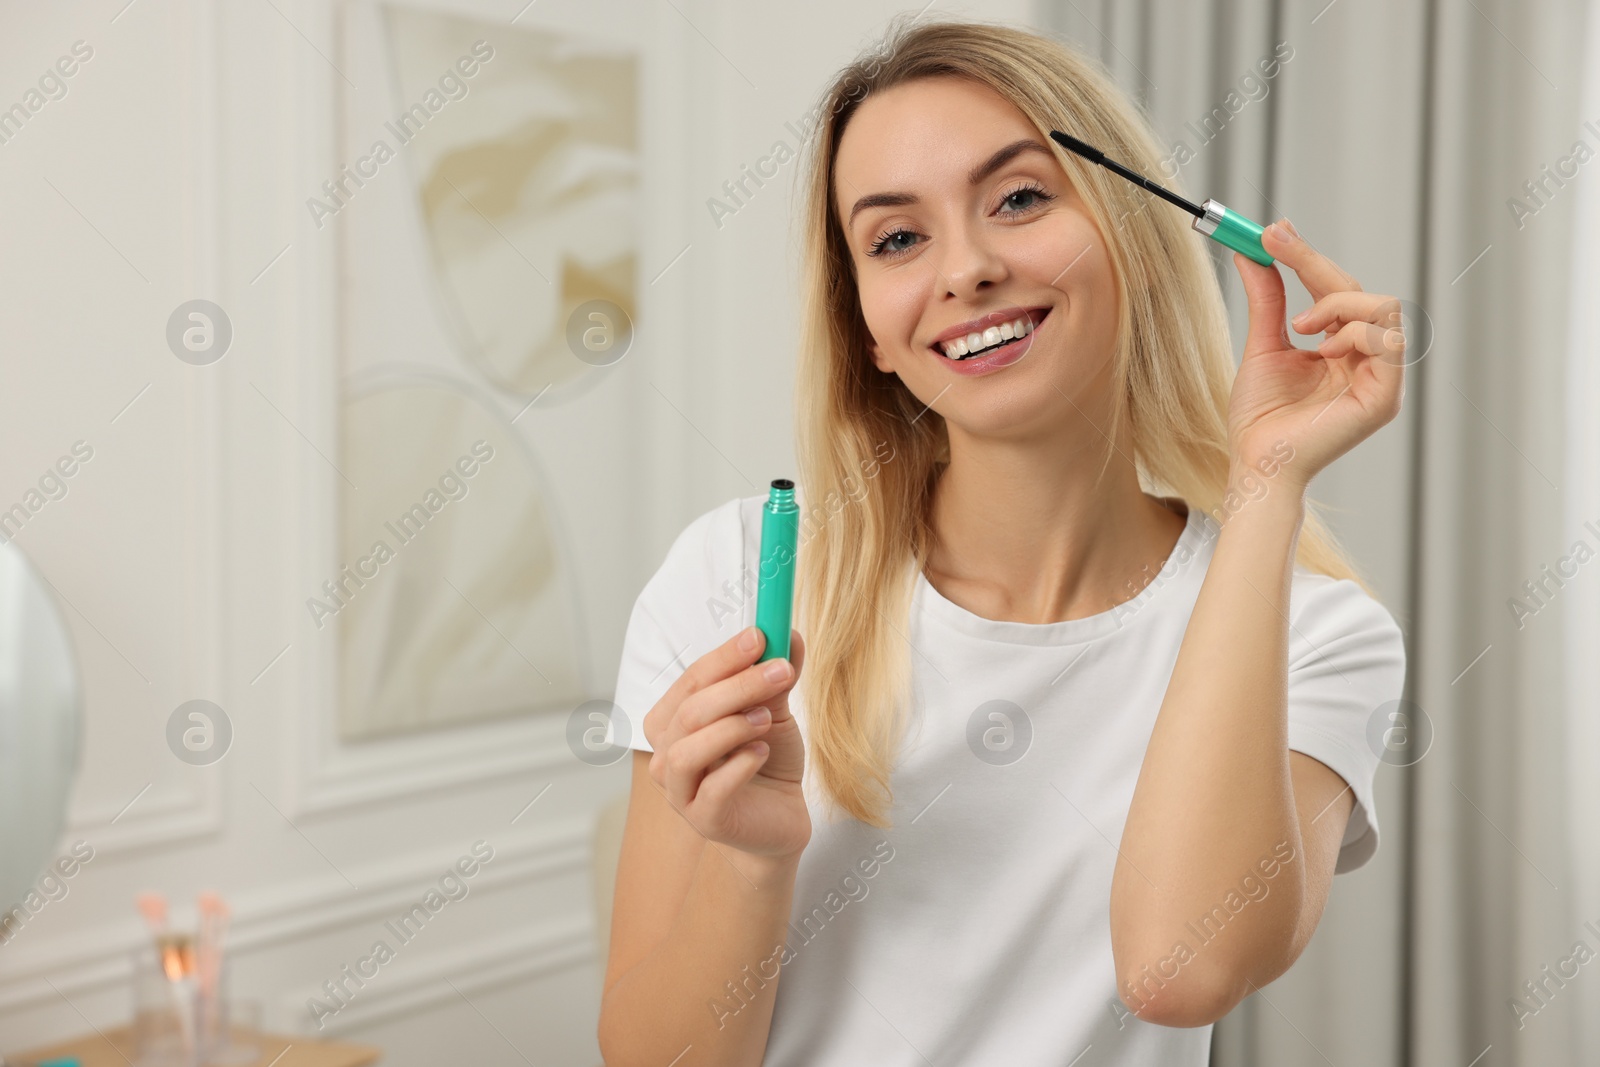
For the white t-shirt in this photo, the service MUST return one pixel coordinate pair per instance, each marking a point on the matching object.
(977, 930)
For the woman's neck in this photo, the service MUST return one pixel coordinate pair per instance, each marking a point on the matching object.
(1028, 534)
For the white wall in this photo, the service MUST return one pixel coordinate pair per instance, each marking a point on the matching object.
(177, 166)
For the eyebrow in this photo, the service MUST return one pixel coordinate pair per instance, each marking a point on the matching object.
(974, 176)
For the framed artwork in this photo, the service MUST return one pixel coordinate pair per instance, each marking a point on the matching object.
(484, 206)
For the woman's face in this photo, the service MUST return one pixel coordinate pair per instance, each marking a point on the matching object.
(960, 219)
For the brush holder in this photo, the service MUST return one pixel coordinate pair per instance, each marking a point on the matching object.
(180, 1019)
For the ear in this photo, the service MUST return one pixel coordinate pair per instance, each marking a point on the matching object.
(877, 358)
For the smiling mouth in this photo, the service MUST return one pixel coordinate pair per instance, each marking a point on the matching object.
(983, 342)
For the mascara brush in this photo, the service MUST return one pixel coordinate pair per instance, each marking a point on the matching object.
(1212, 218)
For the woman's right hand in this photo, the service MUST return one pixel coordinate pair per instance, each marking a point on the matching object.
(736, 781)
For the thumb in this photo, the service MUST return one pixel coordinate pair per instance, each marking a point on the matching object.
(797, 659)
(1263, 290)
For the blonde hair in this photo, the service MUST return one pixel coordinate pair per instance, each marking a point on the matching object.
(870, 452)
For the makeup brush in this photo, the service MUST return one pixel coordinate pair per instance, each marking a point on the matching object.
(153, 906)
(213, 925)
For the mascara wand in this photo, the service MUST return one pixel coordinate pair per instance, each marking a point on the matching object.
(1212, 218)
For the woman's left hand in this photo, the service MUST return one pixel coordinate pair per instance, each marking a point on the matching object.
(1321, 402)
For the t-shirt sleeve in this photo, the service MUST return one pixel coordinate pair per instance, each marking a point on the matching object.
(694, 602)
(1347, 661)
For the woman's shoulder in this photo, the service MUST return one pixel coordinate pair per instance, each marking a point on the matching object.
(712, 541)
(694, 601)
(1325, 609)
(709, 557)
(698, 593)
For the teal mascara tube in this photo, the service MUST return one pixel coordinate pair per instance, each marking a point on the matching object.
(1222, 224)
(780, 527)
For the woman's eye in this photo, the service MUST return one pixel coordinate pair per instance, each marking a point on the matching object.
(1020, 200)
(893, 242)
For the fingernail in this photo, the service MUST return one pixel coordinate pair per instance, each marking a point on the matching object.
(1291, 228)
(757, 716)
(1278, 232)
(1298, 319)
(776, 671)
(747, 641)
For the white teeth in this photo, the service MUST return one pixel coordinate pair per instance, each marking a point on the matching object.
(976, 342)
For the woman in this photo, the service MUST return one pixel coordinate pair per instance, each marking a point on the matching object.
(1082, 738)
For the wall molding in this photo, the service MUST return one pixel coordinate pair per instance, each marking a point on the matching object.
(95, 958)
(483, 966)
(156, 819)
(338, 778)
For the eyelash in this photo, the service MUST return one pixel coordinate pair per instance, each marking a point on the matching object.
(1028, 187)
(879, 245)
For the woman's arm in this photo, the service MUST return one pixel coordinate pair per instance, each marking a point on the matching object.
(717, 823)
(1220, 797)
(1216, 796)
(724, 913)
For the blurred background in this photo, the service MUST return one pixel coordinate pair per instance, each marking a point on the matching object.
(362, 360)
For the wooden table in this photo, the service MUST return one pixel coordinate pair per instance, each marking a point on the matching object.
(115, 1049)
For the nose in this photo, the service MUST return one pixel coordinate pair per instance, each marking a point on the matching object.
(970, 265)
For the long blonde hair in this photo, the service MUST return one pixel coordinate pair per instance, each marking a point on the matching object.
(870, 452)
